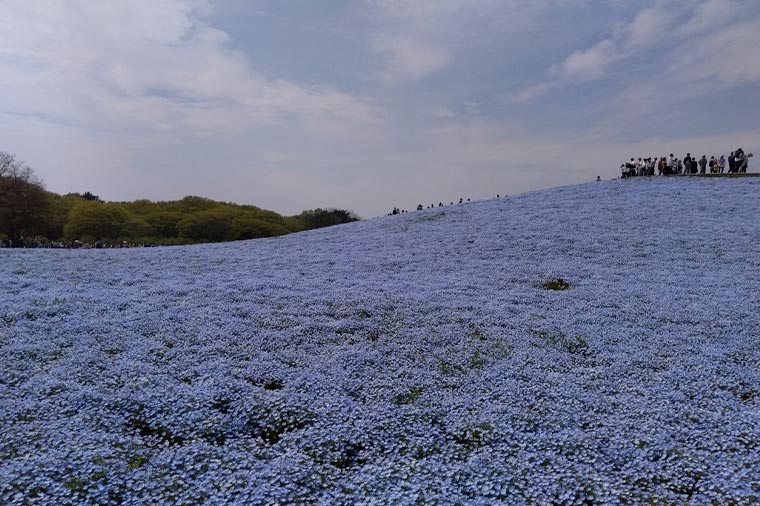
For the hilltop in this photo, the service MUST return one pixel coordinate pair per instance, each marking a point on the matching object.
(593, 344)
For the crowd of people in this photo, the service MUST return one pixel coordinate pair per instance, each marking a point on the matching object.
(736, 163)
(420, 207)
(44, 243)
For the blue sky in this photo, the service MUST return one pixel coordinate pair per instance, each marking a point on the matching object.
(368, 104)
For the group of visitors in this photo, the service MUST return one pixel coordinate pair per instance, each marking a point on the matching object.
(420, 207)
(737, 162)
(46, 244)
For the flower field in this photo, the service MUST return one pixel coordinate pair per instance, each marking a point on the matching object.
(594, 344)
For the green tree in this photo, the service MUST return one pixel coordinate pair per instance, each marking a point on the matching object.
(213, 225)
(248, 226)
(23, 200)
(318, 218)
(58, 213)
(164, 223)
(96, 221)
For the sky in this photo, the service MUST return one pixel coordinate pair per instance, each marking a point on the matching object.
(368, 104)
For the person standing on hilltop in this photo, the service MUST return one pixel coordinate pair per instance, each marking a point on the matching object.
(721, 164)
(703, 164)
(687, 164)
(731, 162)
(742, 160)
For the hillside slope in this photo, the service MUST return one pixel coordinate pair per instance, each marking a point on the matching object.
(411, 359)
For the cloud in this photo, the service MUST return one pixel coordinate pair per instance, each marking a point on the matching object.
(702, 62)
(532, 92)
(409, 59)
(587, 64)
(650, 27)
(162, 98)
(710, 15)
(722, 57)
(145, 64)
(647, 29)
(701, 46)
(417, 38)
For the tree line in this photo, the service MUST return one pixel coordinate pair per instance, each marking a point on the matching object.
(30, 214)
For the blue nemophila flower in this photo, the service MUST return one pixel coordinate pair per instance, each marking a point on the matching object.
(402, 360)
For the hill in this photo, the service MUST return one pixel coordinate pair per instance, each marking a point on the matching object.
(416, 359)
(190, 220)
(33, 217)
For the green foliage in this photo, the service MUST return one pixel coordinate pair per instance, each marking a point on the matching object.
(556, 284)
(58, 212)
(212, 225)
(97, 221)
(23, 201)
(27, 211)
(407, 398)
(576, 345)
(473, 436)
(318, 218)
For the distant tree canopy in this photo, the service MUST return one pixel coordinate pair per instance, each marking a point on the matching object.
(319, 218)
(28, 212)
(23, 200)
(91, 220)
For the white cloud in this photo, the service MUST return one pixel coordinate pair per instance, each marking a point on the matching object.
(416, 38)
(409, 59)
(531, 93)
(150, 64)
(153, 99)
(711, 15)
(704, 62)
(587, 64)
(649, 27)
(706, 36)
(724, 57)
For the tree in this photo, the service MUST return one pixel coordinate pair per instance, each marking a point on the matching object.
(91, 196)
(58, 213)
(23, 200)
(213, 225)
(318, 218)
(96, 221)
